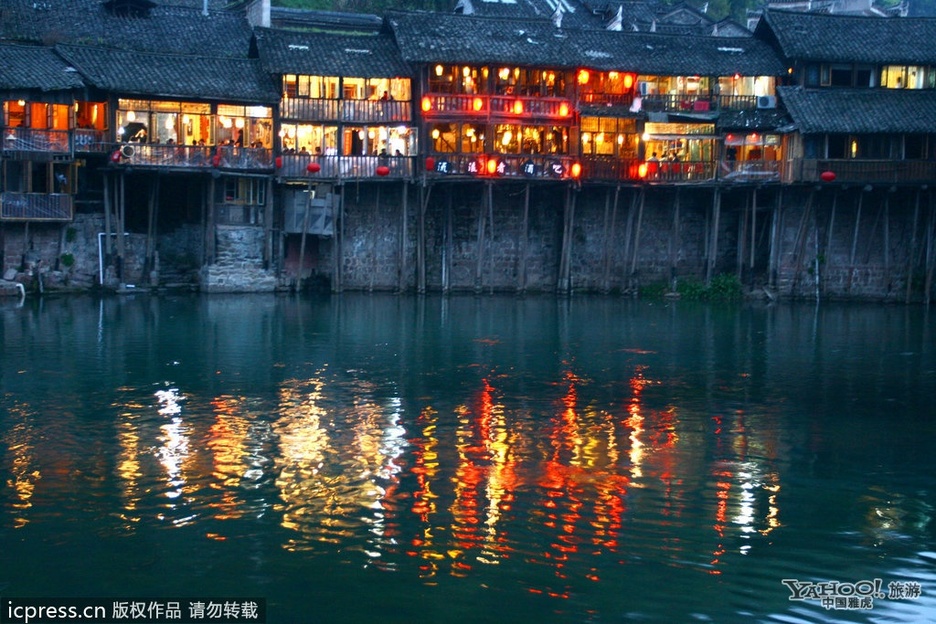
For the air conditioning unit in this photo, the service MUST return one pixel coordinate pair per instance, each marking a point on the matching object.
(766, 101)
(127, 151)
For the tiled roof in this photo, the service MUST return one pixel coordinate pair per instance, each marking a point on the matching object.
(860, 110)
(429, 38)
(851, 39)
(172, 75)
(174, 29)
(677, 55)
(300, 52)
(34, 67)
(575, 14)
(442, 37)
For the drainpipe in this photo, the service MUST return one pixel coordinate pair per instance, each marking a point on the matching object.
(204, 10)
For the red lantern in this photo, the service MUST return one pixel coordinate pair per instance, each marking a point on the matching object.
(827, 176)
(313, 167)
(383, 170)
(278, 162)
(430, 163)
(115, 157)
(216, 160)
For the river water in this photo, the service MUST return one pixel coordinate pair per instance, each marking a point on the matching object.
(373, 458)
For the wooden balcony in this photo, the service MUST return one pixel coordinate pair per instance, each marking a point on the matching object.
(854, 171)
(36, 206)
(32, 144)
(371, 112)
(518, 166)
(502, 107)
(194, 157)
(295, 167)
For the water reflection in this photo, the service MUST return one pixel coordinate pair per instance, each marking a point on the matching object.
(549, 454)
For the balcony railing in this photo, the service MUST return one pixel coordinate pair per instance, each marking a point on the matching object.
(194, 156)
(523, 166)
(354, 111)
(501, 106)
(296, 166)
(600, 168)
(90, 140)
(35, 206)
(861, 171)
(31, 142)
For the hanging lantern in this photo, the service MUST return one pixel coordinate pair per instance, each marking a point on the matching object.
(827, 176)
(383, 170)
(426, 104)
(313, 167)
(576, 170)
(477, 104)
(430, 163)
(278, 161)
(115, 157)
(491, 166)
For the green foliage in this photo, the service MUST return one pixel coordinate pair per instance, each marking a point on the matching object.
(68, 260)
(724, 287)
(71, 235)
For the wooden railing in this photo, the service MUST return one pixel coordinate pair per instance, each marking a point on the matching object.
(89, 140)
(31, 141)
(861, 171)
(296, 166)
(193, 156)
(501, 106)
(36, 206)
(354, 111)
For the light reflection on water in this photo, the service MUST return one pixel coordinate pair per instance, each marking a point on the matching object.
(468, 459)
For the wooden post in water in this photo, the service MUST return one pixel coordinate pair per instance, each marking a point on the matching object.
(799, 244)
(210, 223)
(633, 268)
(108, 243)
(628, 231)
(339, 232)
(565, 255)
(753, 230)
(152, 204)
(742, 239)
(829, 234)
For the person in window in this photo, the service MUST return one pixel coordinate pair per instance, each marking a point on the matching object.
(385, 97)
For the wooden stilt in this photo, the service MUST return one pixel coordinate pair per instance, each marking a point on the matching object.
(268, 226)
(742, 239)
(404, 235)
(300, 273)
(775, 227)
(421, 242)
(479, 261)
(338, 284)
(799, 244)
(565, 254)
(629, 230)
(930, 252)
(524, 235)
(854, 245)
(636, 254)
(609, 251)
(675, 244)
(447, 245)
(490, 228)
(713, 245)
(753, 249)
(911, 255)
(210, 223)
(121, 228)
